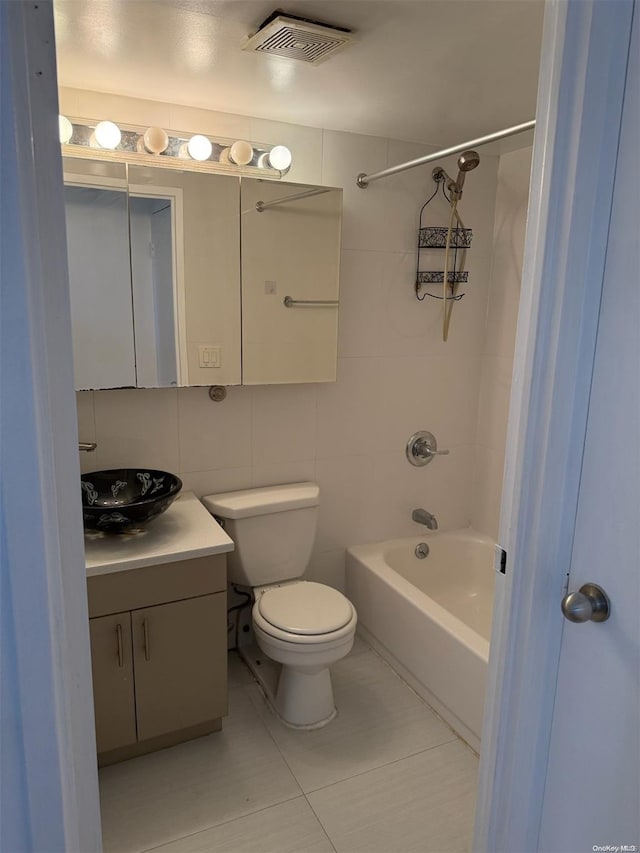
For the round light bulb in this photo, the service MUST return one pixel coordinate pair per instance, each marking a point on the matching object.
(223, 156)
(155, 140)
(280, 158)
(199, 147)
(263, 160)
(65, 128)
(107, 134)
(241, 153)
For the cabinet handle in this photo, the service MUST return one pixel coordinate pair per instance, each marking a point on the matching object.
(147, 645)
(120, 653)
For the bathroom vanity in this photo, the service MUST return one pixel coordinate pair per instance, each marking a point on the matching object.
(158, 627)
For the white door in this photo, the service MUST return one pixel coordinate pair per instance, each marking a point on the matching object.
(592, 791)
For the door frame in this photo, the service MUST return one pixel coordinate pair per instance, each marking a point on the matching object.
(580, 95)
(580, 98)
(49, 769)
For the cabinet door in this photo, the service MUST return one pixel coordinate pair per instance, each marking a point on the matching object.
(113, 693)
(180, 660)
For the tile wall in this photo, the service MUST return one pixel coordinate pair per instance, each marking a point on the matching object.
(395, 375)
(497, 354)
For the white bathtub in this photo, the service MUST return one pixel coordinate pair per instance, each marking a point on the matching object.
(431, 618)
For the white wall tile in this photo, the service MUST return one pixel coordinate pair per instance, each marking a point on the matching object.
(493, 403)
(365, 221)
(215, 482)
(101, 106)
(283, 423)
(347, 410)
(328, 567)
(487, 490)
(502, 310)
(68, 101)
(225, 125)
(345, 484)
(443, 487)
(362, 309)
(276, 473)
(214, 435)
(137, 427)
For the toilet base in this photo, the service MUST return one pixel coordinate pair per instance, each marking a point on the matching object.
(268, 674)
(304, 700)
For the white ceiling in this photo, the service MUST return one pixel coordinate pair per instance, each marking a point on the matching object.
(433, 71)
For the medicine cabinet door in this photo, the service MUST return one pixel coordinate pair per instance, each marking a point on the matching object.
(290, 248)
(185, 230)
(99, 274)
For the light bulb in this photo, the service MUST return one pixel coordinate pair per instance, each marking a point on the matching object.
(223, 156)
(280, 158)
(107, 134)
(199, 147)
(241, 153)
(65, 128)
(263, 161)
(155, 140)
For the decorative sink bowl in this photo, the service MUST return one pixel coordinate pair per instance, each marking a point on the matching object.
(126, 498)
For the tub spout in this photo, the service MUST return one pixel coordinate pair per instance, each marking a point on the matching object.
(424, 517)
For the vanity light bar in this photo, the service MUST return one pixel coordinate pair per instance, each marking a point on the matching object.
(155, 141)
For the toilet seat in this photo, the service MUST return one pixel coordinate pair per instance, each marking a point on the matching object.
(305, 613)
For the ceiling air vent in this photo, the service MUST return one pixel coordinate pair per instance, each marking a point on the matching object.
(298, 38)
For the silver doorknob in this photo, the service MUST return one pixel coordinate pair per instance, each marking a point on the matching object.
(589, 604)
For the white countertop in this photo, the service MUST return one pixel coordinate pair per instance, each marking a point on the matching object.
(186, 530)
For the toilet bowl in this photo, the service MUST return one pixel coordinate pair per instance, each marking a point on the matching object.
(303, 626)
(304, 697)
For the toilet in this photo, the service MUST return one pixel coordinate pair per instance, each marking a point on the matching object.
(301, 625)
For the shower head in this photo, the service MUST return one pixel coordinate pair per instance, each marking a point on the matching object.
(467, 161)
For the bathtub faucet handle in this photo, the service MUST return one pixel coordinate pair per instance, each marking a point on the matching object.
(422, 447)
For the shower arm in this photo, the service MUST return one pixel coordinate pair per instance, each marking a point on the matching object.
(363, 180)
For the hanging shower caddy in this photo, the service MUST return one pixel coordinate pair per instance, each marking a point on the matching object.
(435, 237)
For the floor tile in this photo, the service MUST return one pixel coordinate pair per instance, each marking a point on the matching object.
(359, 646)
(421, 804)
(290, 827)
(380, 719)
(161, 797)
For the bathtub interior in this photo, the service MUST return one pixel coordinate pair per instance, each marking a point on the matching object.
(457, 574)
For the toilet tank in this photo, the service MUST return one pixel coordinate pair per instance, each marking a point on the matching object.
(273, 529)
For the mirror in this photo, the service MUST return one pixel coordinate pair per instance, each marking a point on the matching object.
(290, 248)
(207, 269)
(172, 285)
(99, 274)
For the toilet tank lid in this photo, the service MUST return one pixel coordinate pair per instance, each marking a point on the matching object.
(249, 502)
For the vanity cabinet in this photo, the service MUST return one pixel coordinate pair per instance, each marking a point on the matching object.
(159, 655)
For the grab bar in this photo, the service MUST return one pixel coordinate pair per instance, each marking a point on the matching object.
(290, 302)
(263, 205)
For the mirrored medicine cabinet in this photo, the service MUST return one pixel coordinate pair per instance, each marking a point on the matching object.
(185, 278)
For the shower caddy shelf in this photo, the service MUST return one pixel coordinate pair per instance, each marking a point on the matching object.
(435, 237)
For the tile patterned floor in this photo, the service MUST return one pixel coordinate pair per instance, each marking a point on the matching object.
(386, 776)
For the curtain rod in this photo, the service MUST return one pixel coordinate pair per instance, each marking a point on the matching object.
(363, 180)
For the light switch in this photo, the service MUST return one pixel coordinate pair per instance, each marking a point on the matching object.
(209, 356)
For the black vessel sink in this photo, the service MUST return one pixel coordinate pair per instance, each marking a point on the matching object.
(125, 499)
